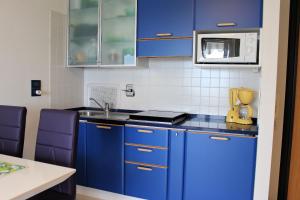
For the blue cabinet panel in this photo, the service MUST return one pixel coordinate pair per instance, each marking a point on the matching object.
(176, 164)
(81, 156)
(165, 16)
(146, 136)
(219, 167)
(165, 48)
(105, 157)
(244, 13)
(146, 155)
(145, 182)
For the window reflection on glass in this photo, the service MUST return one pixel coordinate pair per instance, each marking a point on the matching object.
(216, 48)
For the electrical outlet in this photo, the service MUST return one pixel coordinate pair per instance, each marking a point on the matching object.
(129, 90)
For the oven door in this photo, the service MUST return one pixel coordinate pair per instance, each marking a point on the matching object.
(221, 48)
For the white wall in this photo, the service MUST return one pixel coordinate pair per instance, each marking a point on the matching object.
(174, 84)
(24, 56)
(274, 43)
(66, 84)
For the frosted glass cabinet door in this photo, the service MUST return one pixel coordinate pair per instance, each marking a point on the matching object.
(83, 32)
(118, 32)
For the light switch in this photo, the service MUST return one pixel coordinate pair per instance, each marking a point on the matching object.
(36, 86)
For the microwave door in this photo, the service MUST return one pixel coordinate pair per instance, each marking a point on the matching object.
(220, 48)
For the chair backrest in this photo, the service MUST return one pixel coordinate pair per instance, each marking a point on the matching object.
(12, 130)
(57, 143)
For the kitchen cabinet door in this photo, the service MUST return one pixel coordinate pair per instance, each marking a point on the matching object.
(165, 48)
(219, 167)
(105, 157)
(118, 32)
(146, 182)
(176, 164)
(83, 33)
(81, 156)
(165, 28)
(172, 17)
(220, 14)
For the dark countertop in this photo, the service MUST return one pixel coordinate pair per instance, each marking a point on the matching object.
(205, 123)
(217, 123)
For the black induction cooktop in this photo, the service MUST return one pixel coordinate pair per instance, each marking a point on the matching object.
(154, 116)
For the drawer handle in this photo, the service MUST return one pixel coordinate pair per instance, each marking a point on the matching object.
(219, 138)
(226, 24)
(145, 150)
(144, 168)
(145, 131)
(164, 34)
(104, 127)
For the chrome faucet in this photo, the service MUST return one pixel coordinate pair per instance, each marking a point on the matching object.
(106, 107)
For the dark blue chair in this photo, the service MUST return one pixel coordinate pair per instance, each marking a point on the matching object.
(12, 130)
(57, 144)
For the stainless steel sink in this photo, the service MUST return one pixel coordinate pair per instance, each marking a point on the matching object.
(90, 113)
(104, 115)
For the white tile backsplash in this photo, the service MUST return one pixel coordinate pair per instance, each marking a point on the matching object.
(174, 84)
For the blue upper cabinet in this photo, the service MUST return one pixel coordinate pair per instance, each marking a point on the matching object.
(159, 18)
(165, 48)
(220, 14)
(165, 28)
(219, 167)
(105, 157)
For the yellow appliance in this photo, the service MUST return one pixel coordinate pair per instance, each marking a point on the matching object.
(240, 110)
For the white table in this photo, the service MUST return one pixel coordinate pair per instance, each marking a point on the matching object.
(33, 179)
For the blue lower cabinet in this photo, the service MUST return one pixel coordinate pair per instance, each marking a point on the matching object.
(81, 156)
(145, 182)
(105, 157)
(149, 155)
(176, 164)
(219, 166)
(146, 136)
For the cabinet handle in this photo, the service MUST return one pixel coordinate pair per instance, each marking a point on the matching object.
(144, 168)
(164, 34)
(226, 24)
(145, 131)
(104, 127)
(145, 150)
(219, 138)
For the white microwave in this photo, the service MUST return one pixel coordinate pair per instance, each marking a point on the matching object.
(240, 48)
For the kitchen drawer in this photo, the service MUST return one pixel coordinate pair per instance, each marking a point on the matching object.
(145, 154)
(146, 136)
(145, 181)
